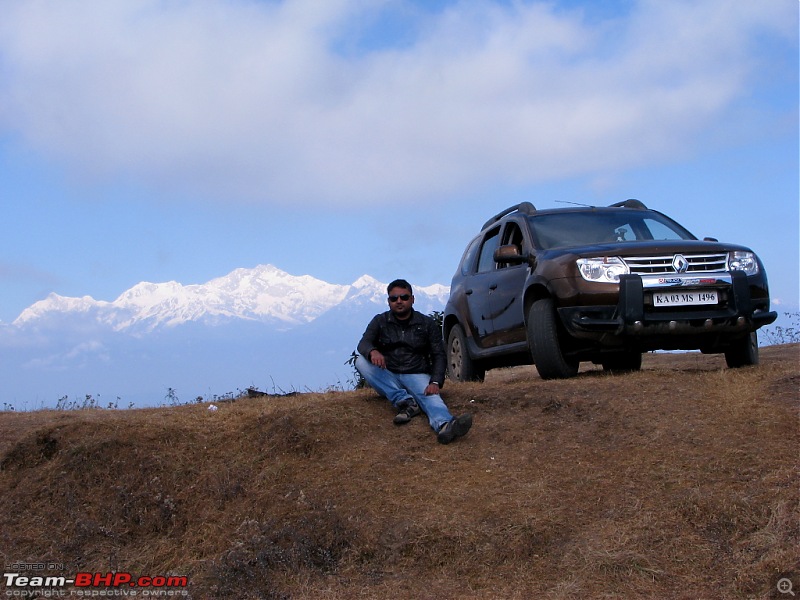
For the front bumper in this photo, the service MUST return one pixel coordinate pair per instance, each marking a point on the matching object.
(634, 315)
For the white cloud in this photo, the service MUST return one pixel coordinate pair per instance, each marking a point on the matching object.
(245, 100)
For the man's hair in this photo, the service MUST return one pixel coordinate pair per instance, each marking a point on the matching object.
(401, 283)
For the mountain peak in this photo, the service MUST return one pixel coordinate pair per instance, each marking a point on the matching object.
(366, 281)
(55, 303)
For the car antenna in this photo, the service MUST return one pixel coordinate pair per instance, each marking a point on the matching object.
(575, 203)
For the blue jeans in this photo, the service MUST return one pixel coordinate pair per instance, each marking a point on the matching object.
(397, 387)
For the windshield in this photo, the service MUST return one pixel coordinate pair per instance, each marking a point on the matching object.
(581, 228)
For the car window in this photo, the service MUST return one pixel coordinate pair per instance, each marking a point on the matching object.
(490, 243)
(659, 231)
(512, 236)
(623, 233)
(562, 230)
(468, 260)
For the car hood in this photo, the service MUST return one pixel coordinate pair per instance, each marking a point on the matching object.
(646, 248)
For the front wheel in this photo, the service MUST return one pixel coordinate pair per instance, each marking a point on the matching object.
(545, 342)
(743, 352)
(460, 366)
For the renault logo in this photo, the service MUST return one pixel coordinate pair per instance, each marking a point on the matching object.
(680, 264)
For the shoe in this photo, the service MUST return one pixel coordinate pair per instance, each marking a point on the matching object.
(455, 427)
(408, 410)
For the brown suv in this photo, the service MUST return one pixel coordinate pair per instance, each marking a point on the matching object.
(602, 284)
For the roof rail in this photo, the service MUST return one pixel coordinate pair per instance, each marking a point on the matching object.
(526, 208)
(630, 203)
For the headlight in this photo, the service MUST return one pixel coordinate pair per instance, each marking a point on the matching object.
(603, 270)
(743, 261)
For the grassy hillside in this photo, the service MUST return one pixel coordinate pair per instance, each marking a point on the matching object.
(680, 481)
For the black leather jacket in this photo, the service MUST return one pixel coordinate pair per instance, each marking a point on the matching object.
(411, 346)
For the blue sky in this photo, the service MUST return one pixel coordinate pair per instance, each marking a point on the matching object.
(166, 140)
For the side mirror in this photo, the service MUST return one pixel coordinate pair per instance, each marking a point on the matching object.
(510, 255)
(710, 239)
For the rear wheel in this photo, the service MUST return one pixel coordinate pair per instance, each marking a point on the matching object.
(623, 362)
(743, 352)
(545, 342)
(460, 366)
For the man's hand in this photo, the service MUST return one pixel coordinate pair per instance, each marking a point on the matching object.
(377, 359)
(432, 389)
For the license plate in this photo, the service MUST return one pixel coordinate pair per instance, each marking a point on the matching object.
(685, 298)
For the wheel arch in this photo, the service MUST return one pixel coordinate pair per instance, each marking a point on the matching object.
(535, 291)
(450, 321)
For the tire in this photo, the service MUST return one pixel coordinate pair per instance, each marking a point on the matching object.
(545, 342)
(460, 366)
(623, 362)
(743, 352)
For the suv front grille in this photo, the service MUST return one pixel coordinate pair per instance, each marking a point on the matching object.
(696, 263)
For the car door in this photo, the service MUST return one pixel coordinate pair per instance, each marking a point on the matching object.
(507, 314)
(478, 289)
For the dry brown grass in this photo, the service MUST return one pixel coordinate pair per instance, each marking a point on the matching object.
(680, 481)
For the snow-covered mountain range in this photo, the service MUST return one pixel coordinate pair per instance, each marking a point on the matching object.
(259, 327)
(264, 293)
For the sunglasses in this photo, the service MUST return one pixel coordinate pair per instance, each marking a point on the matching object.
(402, 297)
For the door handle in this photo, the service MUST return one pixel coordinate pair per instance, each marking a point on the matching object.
(493, 287)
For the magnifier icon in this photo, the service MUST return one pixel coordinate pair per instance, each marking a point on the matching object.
(785, 586)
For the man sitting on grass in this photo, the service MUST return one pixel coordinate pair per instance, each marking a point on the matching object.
(401, 356)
